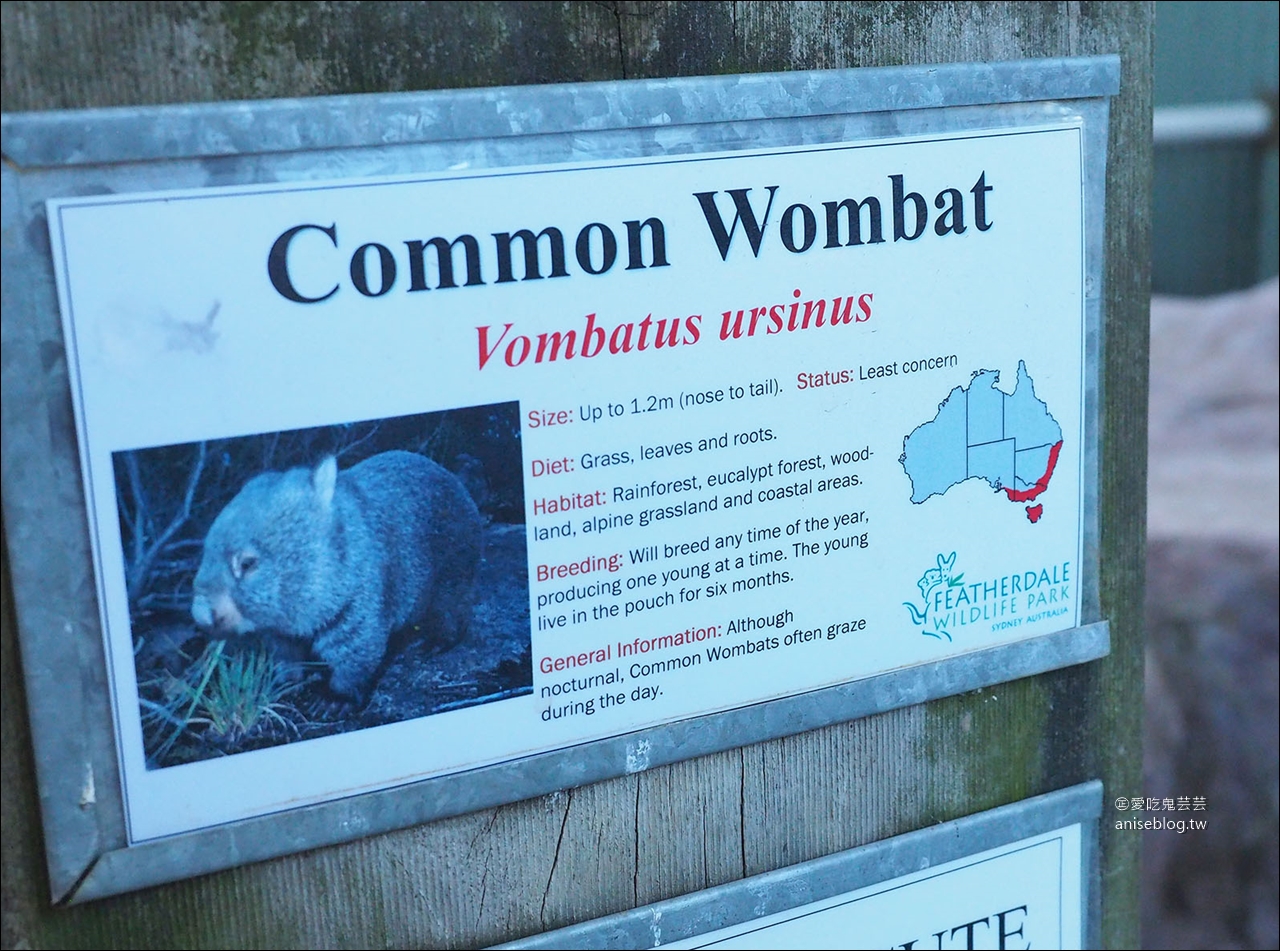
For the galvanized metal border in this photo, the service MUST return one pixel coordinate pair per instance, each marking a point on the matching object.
(191, 146)
(161, 133)
(759, 896)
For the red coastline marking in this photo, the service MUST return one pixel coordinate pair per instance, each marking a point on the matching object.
(1034, 512)
(1042, 483)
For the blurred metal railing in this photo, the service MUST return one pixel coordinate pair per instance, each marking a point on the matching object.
(1252, 120)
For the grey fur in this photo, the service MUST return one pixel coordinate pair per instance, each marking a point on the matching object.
(340, 560)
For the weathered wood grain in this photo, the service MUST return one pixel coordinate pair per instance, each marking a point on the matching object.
(547, 862)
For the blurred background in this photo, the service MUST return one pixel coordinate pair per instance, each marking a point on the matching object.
(1211, 684)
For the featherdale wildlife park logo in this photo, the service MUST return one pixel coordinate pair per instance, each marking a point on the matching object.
(1006, 601)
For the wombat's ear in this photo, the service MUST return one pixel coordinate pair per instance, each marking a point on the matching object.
(323, 479)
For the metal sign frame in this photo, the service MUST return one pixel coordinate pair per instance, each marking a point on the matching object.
(50, 155)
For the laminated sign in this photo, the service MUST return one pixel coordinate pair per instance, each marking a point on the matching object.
(397, 468)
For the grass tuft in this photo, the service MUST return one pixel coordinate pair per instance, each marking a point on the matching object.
(219, 699)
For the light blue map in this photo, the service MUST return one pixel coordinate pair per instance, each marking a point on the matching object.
(981, 433)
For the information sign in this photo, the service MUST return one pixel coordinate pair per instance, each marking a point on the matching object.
(516, 467)
(645, 440)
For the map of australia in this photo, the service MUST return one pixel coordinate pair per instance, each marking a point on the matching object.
(1010, 440)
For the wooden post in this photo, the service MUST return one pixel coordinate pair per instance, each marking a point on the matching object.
(544, 863)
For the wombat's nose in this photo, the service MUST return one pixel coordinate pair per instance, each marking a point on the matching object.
(219, 613)
(202, 611)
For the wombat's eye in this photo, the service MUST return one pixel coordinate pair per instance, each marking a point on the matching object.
(242, 563)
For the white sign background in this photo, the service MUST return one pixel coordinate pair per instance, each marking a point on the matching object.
(130, 267)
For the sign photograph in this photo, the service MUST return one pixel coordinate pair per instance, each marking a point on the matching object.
(506, 468)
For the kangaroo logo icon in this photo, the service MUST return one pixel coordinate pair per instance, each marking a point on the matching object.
(931, 581)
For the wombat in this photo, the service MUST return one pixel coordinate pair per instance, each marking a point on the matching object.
(340, 560)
